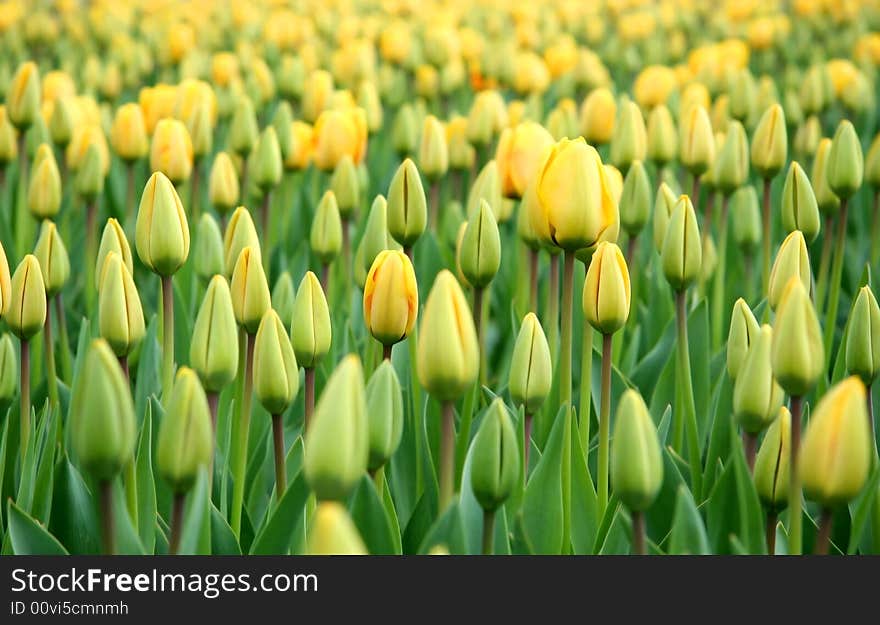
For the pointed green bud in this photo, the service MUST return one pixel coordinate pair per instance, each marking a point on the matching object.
(267, 160)
(404, 130)
(731, 167)
(845, 167)
(407, 206)
(836, 450)
(531, 371)
(198, 124)
(5, 284)
(792, 260)
(213, 350)
(384, 415)
(798, 355)
(23, 95)
(433, 149)
(799, 208)
(812, 91)
(8, 139)
(276, 374)
(826, 198)
(120, 316)
(794, 113)
(102, 422)
(53, 258)
(772, 470)
(495, 462)
(283, 294)
(44, 188)
(223, 186)
(113, 239)
(282, 122)
(249, 290)
(863, 337)
(709, 259)
(333, 533)
(636, 459)
(744, 330)
(664, 202)
(629, 138)
(606, 295)
(337, 441)
(481, 247)
(682, 248)
(326, 235)
(61, 122)
(635, 203)
(161, 232)
(741, 88)
(209, 259)
(240, 233)
(8, 369)
(89, 179)
(346, 187)
(376, 238)
(696, 141)
(310, 332)
(807, 137)
(757, 397)
(243, 129)
(486, 186)
(746, 217)
(662, 138)
(770, 143)
(27, 311)
(186, 439)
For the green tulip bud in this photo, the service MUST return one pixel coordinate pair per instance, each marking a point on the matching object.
(186, 437)
(746, 219)
(486, 186)
(209, 248)
(812, 91)
(741, 89)
(243, 129)
(282, 122)
(53, 258)
(336, 443)
(799, 208)
(794, 113)
(836, 450)
(407, 207)
(61, 122)
(283, 294)
(310, 332)
(201, 133)
(213, 350)
(731, 167)
(8, 369)
(662, 138)
(44, 188)
(629, 137)
(682, 248)
(240, 233)
(806, 139)
(250, 291)
(757, 397)
(845, 167)
(709, 259)
(433, 149)
(404, 130)
(792, 260)
(384, 415)
(161, 232)
(23, 95)
(481, 247)
(636, 459)
(276, 374)
(223, 186)
(826, 198)
(120, 316)
(326, 234)
(376, 239)
(772, 470)
(27, 311)
(606, 295)
(333, 533)
(798, 355)
(770, 143)
(696, 141)
(5, 284)
(267, 160)
(89, 180)
(744, 330)
(495, 462)
(635, 203)
(113, 239)
(863, 337)
(345, 185)
(664, 202)
(524, 221)
(531, 371)
(36, 135)
(102, 419)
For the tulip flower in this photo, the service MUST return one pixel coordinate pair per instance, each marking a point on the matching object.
(863, 344)
(519, 155)
(267, 174)
(799, 208)
(597, 116)
(310, 333)
(629, 140)
(113, 239)
(404, 131)
(487, 186)
(128, 135)
(8, 369)
(339, 133)
(208, 252)
(23, 96)
(375, 239)
(240, 233)
(696, 145)
(120, 316)
(44, 190)
(433, 150)
(743, 331)
(8, 139)
(391, 299)
(661, 138)
(223, 187)
(664, 203)
(531, 375)
(325, 237)
(171, 150)
(757, 397)
(333, 533)
(243, 130)
(407, 207)
(791, 260)
(635, 204)
(771, 473)
(384, 415)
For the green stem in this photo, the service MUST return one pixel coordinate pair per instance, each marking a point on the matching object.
(684, 383)
(447, 456)
(131, 495)
(25, 416)
(51, 373)
(834, 284)
(586, 389)
(108, 537)
(176, 523)
(241, 439)
(604, 425)
(167, 336)
(278, 444)
(309, 397)
(638, 528)
(772, 519)
(64, 359)
(488, 531)
(551, 322)
(533, 280)
(823, 538)
(824, 263)
(875, 227)
(213, 400)
(720, 280)
(766, 237)
(795, 515)
(565, 345)
(91, 253)
(479, 293)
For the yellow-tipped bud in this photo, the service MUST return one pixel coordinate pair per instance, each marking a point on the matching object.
(240, 233)
(27, 311)
(128, 135)
(757, 397)
(606, 297)
(120, 316)
(682, 254)
(185, 442)
(5, 283)
(310, 331)
(531, 371)
(267, 160)
(845, 167)
(635, 201)
(772, 470)
(208, 254)
(391, 297)
(113, 239)
(696, 141)
(731, 167)
(8, 369)
(333, 533)
(346, 187)
(276, 374)
(44, 186)
(770, 143)
(799, 208)
(23, 95)
(636, 457)
(53, 258)
(743, 331)
(664, 203)
(597, 116)
(249, 290)
(480, 250)
(792, 260)
(863, 337)
(325, 238)
(433, 150)
(798, 356)
(519, 155)
(161, 232)
(171, 150)
(629, 141)
(407, 206)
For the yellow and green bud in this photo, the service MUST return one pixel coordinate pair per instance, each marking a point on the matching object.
(486, 186)
(23, 95)
(863, 337)
(89, 177)
(310, 331)
(223, 187)
(845, 168)
(8, 138)
(243, 129)
(597, 116)
(407, 206)
(826, 198)
(662, 137)
(333, 533)
(213, 351)
(731, 167)
(744, 329)
(799, 208)
(682, 254)
(480, 252)
(249, 290)
(696, 141)
(519, 155)
(276, 374)
(798, 355)
(636, 458)
(375, 239)
(209, 259)
(384, 415)
(44, 186)
(770, 143)
(792, 260)
(495, 461)
(128, 134)
(629, 140)
(433, 149)
(61, 122)
(325, 238)
(8, 369)
(746, 217)
(53, 258)
(664, 203)
(807, 137)
(346, 186)
(635, 202)
(772, 470)
(240, 233)
(531, 370)
(5, 283)
(756, 396)
(391, 297)
(267, 160)
(283, 295)
(404, 130)
(741, 88)
(26, 313)
(171, 150)
(606, 296)
(120, 316)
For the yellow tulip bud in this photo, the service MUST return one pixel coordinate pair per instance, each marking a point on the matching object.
(53, 258)
(326, 234)
(128, 135)
(519, 154)
(531, 371)
(199, 126)
(664, 203)
(384, 415)
(338, 133)
(27, 311)
(606, 296)
(635, 201)
(836, 448)
(161, 232)
(214, 345)
(346, 187)
(391, 297)
(243, 129)
(731, 167)
(770, 143)
(598, 113)
(185, 443)
(23, 95)
(845, 167)
(89, 180)
(798, 356)
(629, 140)
(461, 153)
(662, 138)
(404, 130)
(757, 397)
(171, 150)
(636, 456)
(276, 374)
(448, 352)
(5, 283)
(209, 253)
(696, 141)
(249, 290)
(792, 260)
(743, 331)
(480, 249)
(433, 150)
(62, 121)
(333, 533)
(799, 208)
(84, 138)
(772, 470)
(746, 219)
(8, 138)
(267, 160)
(310, 331)
(44, 186)
(863, 337)
(223, 187)
(682, 254)
(240, 233)
(495, 462)
(8, 369)
(742, 88)
(407, 206)
(807, 137)
(300, 154)
(825, 197)
(317, 92)
(120, 316)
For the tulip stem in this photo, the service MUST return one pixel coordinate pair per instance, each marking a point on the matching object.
(25, 417)
(551, 323)
(325, 278)
(194, 192)
(834, 284)
(527, 444)
(604, 425)
(386, 352)
(241, 438)
(767, 237)
(586, 390)
(51, 373)
(309, 397)
(280, 469)
(91, 252)
(824, 263)
(488, 531)
(565, 345)
(129, 193)
(685, 386)
(772, 519)
(213, 400)
(823, 538)
(265, 215)
(533, 280)
(871, 425)
(638, 530)
(64, 352)
(479, 301)
(695, 191)
(795, 519)
(447, 455)
(108, 531)
(875, 227)
(720, 282)
(167, 336)
(176, 524)
(346, 261)
(750, 445)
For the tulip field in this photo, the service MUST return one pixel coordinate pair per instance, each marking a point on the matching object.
(397, 277)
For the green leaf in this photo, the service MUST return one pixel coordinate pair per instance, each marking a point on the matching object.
(28, 537)
(617, 539)
(146, 485)
(659, 517)
(276, 536)
(223, 540)
(127, 540)
(720, 433)
(688, 532)
(542, 503)
(73, 518)
(194, 538)
(371, 519)
(446, 531)
(584, 521)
